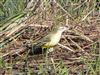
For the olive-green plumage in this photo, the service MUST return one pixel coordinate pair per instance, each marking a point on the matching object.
(48, 41)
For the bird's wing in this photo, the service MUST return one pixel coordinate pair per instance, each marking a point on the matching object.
(42, 41)
(37, 47)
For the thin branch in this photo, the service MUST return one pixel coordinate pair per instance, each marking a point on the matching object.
(13, 52)
(87, 14)
(64, 10)
(67, 48)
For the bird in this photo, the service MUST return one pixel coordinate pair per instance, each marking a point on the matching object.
(47, 43)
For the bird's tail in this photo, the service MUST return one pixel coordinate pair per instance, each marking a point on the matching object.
(38, 50)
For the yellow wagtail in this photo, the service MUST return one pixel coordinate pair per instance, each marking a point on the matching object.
(49, 41)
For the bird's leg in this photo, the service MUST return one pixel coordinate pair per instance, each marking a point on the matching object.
(45, 52)
(46, 59)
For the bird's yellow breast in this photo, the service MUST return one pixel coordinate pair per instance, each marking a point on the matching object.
(53, 40)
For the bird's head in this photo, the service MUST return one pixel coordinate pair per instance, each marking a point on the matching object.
(62, 28)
